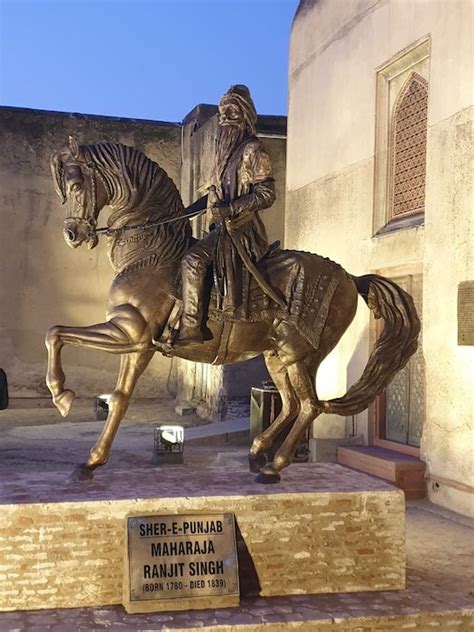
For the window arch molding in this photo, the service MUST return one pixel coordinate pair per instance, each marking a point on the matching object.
(393, 79)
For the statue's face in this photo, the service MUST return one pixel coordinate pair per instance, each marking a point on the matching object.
(230, 114)
(85, 196)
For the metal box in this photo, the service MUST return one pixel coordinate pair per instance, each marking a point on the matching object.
(265, 405)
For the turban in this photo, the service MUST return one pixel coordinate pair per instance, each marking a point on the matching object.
(240, 96)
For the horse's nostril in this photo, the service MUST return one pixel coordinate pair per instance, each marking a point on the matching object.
(70, 234)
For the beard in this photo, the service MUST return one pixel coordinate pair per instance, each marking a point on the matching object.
(228, 138)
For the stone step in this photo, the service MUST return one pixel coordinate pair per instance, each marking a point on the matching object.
(404, 471)
(235, 430)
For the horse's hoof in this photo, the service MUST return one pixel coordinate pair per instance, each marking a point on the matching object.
(81, 472)
(64, 401)
(257, 461)
(268, 476)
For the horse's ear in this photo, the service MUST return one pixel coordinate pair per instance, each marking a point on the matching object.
(74, 147)
(57, 171)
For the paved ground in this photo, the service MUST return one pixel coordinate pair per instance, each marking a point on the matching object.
(40, 440)
(440, 544)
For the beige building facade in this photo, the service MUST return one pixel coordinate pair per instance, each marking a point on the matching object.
(379, 178)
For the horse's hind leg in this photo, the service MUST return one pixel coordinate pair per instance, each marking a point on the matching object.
(131, 367)
(302, 381)
(289, 411)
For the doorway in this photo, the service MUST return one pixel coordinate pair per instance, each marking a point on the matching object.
(400, 410)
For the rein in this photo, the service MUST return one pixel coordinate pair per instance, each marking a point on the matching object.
(111, 231)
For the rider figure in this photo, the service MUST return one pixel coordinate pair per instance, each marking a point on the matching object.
(242, 185)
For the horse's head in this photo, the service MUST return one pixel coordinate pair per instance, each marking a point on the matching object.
(78, 181)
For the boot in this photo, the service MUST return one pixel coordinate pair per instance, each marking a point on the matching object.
(193, 273)
(190, 327)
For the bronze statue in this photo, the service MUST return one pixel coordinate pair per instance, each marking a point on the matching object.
(148, 235)
(242, 185)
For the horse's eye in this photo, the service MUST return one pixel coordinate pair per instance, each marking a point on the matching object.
(75, 187)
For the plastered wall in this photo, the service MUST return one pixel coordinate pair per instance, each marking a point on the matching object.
(43, 281)
(336, 49)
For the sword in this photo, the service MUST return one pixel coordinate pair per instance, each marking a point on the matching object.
(252, 268)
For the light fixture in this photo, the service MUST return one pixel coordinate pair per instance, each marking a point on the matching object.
(168, 445)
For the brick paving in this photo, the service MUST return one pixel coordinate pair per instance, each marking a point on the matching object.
(440, 547)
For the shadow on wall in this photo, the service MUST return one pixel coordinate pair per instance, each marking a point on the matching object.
(355, 368)
(359, 357)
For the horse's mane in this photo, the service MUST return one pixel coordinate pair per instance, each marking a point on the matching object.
(140, 192)
(140, 187)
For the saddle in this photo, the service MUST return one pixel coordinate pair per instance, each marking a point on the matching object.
(305, 280)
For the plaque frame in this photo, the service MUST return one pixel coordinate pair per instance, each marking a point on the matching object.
(168, 585)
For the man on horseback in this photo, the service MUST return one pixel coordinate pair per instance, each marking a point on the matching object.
(242, 185)
(294, 336)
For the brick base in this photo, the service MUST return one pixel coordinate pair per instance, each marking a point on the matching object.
(324, 530)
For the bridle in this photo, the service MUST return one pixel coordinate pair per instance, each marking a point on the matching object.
(90, 222)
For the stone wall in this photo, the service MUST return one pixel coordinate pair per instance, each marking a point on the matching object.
(336, 51)
(43, 282)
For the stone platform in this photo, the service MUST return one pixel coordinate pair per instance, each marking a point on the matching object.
(438, 596)
(323, 529)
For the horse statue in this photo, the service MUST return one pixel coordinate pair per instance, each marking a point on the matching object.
(147, 236)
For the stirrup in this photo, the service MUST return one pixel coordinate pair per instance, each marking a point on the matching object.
(188, 336)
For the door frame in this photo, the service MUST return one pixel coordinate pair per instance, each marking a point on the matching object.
(377, 409)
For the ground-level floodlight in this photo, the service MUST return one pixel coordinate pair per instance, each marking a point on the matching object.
(168, 445)
(102, 406)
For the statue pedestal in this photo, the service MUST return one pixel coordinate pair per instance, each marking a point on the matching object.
(324, 529)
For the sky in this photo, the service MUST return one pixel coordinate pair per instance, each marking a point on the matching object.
(148, 59)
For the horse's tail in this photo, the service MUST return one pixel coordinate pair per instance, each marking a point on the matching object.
(394, 347)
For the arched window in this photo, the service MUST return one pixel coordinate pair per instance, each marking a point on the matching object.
(408, 149)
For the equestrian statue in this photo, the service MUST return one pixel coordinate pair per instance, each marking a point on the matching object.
(228, 297)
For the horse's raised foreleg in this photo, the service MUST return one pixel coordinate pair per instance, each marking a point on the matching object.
(290, 407)
(303, 385)
(115, 336)
(55, 377)
(131, 367)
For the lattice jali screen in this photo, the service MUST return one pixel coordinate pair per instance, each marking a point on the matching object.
(408, 148)
(405, 395)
